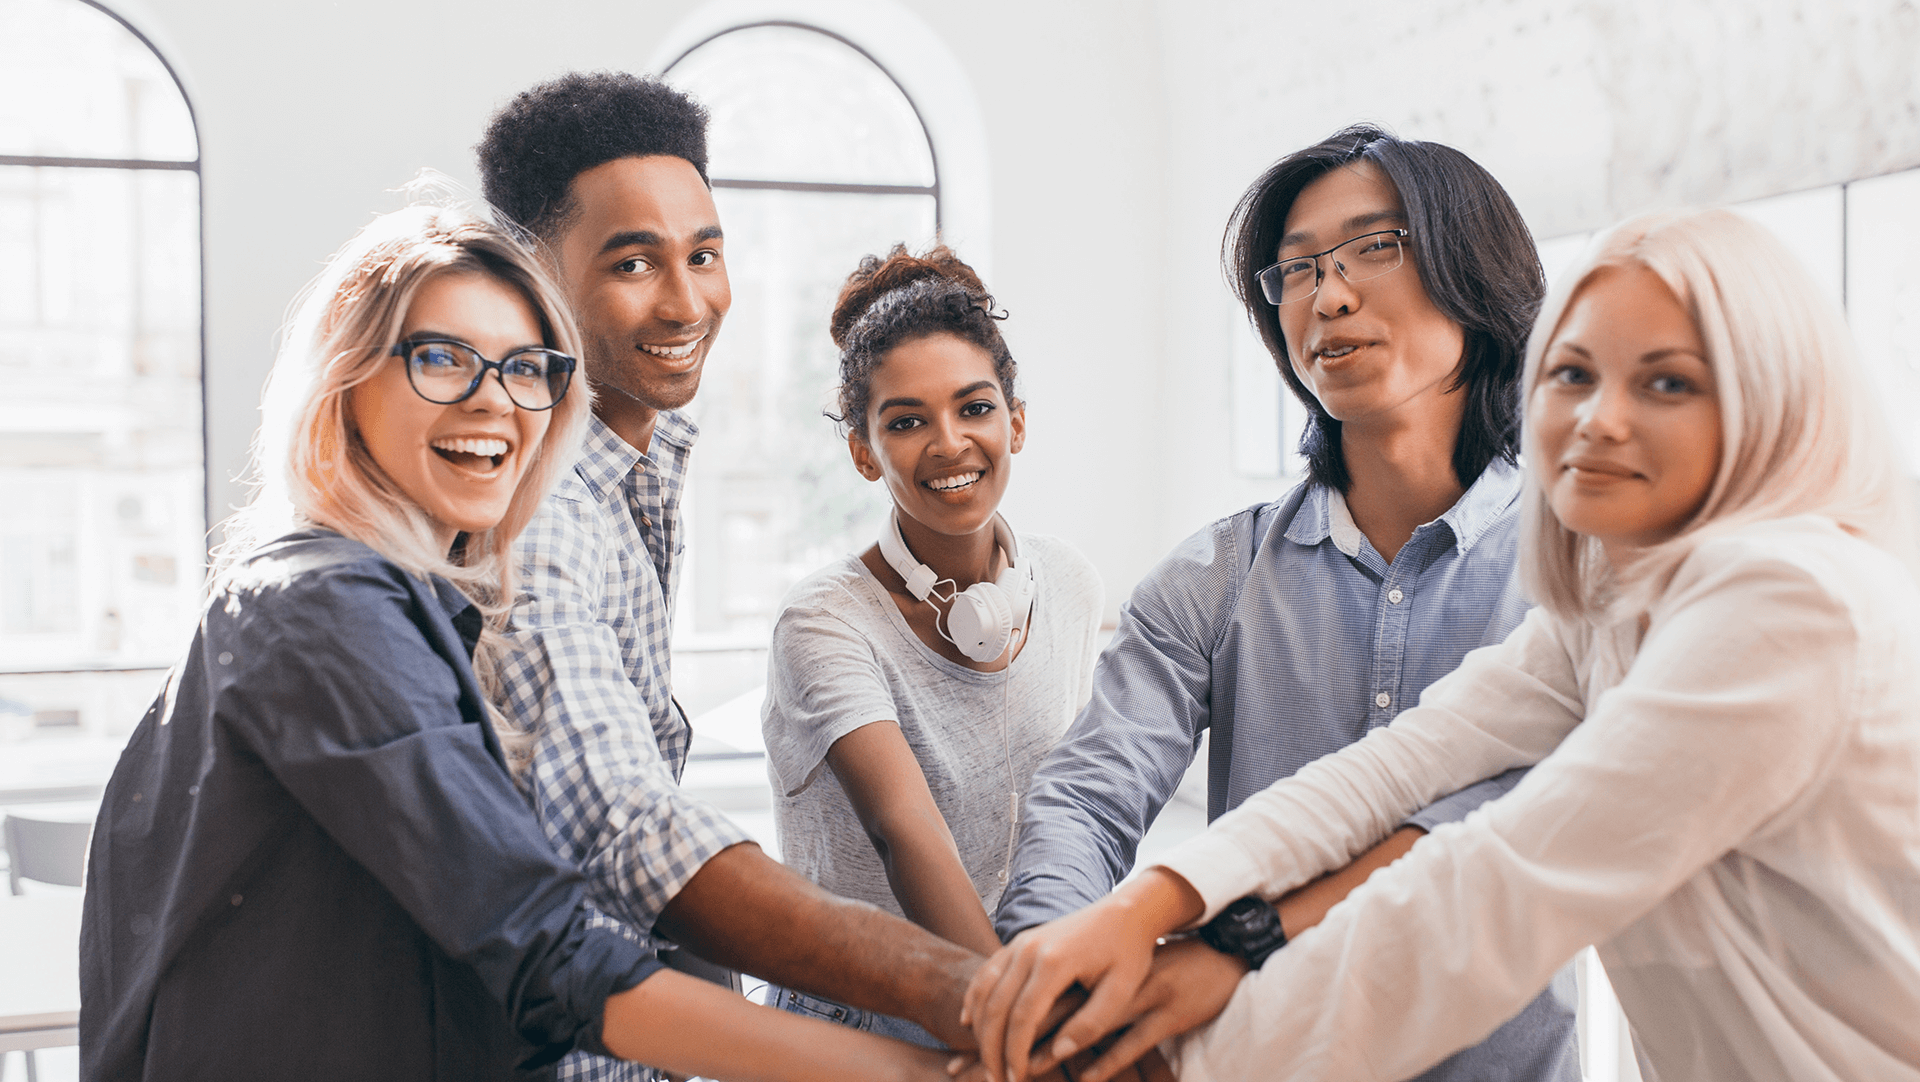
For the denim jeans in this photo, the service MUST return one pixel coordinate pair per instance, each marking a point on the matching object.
(884, 1025)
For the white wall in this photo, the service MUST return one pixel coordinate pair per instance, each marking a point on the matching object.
(311, 114)
(1119, 135)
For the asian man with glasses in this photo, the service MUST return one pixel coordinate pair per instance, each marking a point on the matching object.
(1394, 283)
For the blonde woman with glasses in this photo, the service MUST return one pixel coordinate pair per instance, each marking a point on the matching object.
(1720, 699)
(312, 860)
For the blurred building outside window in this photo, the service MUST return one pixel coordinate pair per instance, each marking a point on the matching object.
(102, 465)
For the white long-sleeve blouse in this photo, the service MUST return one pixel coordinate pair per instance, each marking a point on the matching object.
(1729, 806)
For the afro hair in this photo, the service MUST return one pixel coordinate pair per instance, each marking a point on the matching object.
(546, 136)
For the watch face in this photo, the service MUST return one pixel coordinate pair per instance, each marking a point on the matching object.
(1249, 928)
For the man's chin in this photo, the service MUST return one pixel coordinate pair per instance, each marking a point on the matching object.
(656, 392)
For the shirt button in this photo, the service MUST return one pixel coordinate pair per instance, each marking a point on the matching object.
(647, 522)
(1394, 596)
(1383, 700)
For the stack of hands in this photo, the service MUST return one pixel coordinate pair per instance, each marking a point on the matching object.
(1093, 994)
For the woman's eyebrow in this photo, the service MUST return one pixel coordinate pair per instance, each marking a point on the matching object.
(892, 402)
(1671, 351)
(981, 385)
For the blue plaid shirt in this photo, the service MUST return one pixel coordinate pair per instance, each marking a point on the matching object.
(593, 678)
(1286, 634)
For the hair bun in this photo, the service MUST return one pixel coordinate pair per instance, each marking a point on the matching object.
(877, 277)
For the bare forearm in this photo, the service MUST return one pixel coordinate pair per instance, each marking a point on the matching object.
(1303, 908)
(934, 891)
(691, 1027)
(1158, 901)
(745, 911)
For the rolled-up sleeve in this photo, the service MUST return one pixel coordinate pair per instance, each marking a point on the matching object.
(350, 708)
(600, 786)
(1096, 793)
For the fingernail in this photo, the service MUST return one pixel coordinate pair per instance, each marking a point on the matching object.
(954, 1064)
(1064, 1048)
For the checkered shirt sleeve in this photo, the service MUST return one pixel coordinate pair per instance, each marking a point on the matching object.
(603, 785)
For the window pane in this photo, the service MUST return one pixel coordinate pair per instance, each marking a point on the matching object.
(100, 430)
(810, 109)
(76, 84)
(1883, 294)
(773, 494)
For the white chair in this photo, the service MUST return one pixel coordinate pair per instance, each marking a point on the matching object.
(45, 851)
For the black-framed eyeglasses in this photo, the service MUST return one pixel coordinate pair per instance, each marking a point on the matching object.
(444, 371)
(1366, 256)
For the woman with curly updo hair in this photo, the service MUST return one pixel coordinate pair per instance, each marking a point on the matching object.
(913, 687)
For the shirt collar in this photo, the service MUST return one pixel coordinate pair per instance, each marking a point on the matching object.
(676, 428)
(606, 459)
(1492, 495)
(465, 615)
(1340, 528)
(1324, 515)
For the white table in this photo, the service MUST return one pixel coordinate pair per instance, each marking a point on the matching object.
(40, 771)
(39, 970)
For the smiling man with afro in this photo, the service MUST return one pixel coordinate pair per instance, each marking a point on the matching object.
(552, 133)
(609, 172)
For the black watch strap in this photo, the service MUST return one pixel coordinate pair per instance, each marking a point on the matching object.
(1248, 928)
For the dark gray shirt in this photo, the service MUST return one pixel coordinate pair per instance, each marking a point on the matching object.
(311, 861)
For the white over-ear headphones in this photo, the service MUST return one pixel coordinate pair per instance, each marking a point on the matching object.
(982, 619)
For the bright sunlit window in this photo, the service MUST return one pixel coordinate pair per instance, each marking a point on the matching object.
(102, 469)
(818, 158)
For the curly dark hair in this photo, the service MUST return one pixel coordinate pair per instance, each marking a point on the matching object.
(546, 136)
(903, 297)
(1475, 258)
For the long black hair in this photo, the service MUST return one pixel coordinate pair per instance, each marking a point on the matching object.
(1474, 255)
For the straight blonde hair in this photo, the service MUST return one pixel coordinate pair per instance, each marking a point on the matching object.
(1802, 434)
(311, 468)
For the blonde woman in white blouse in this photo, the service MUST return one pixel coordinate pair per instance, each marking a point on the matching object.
(1720, 698)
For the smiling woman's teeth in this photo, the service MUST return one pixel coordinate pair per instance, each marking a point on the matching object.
(948, 484)
(482, 448)
(1341, 352)
(673, 353)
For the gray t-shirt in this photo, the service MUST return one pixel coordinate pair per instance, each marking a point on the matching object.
(843, 657)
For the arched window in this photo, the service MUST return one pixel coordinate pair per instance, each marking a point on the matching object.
(102, 443)
(818, 157)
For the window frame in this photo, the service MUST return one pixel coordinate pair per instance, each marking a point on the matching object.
(200, 260)
(933, 154)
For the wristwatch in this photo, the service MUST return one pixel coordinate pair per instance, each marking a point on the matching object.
(1248, 928)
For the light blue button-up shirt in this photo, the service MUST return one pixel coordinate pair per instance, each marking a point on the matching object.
(1283, 631)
